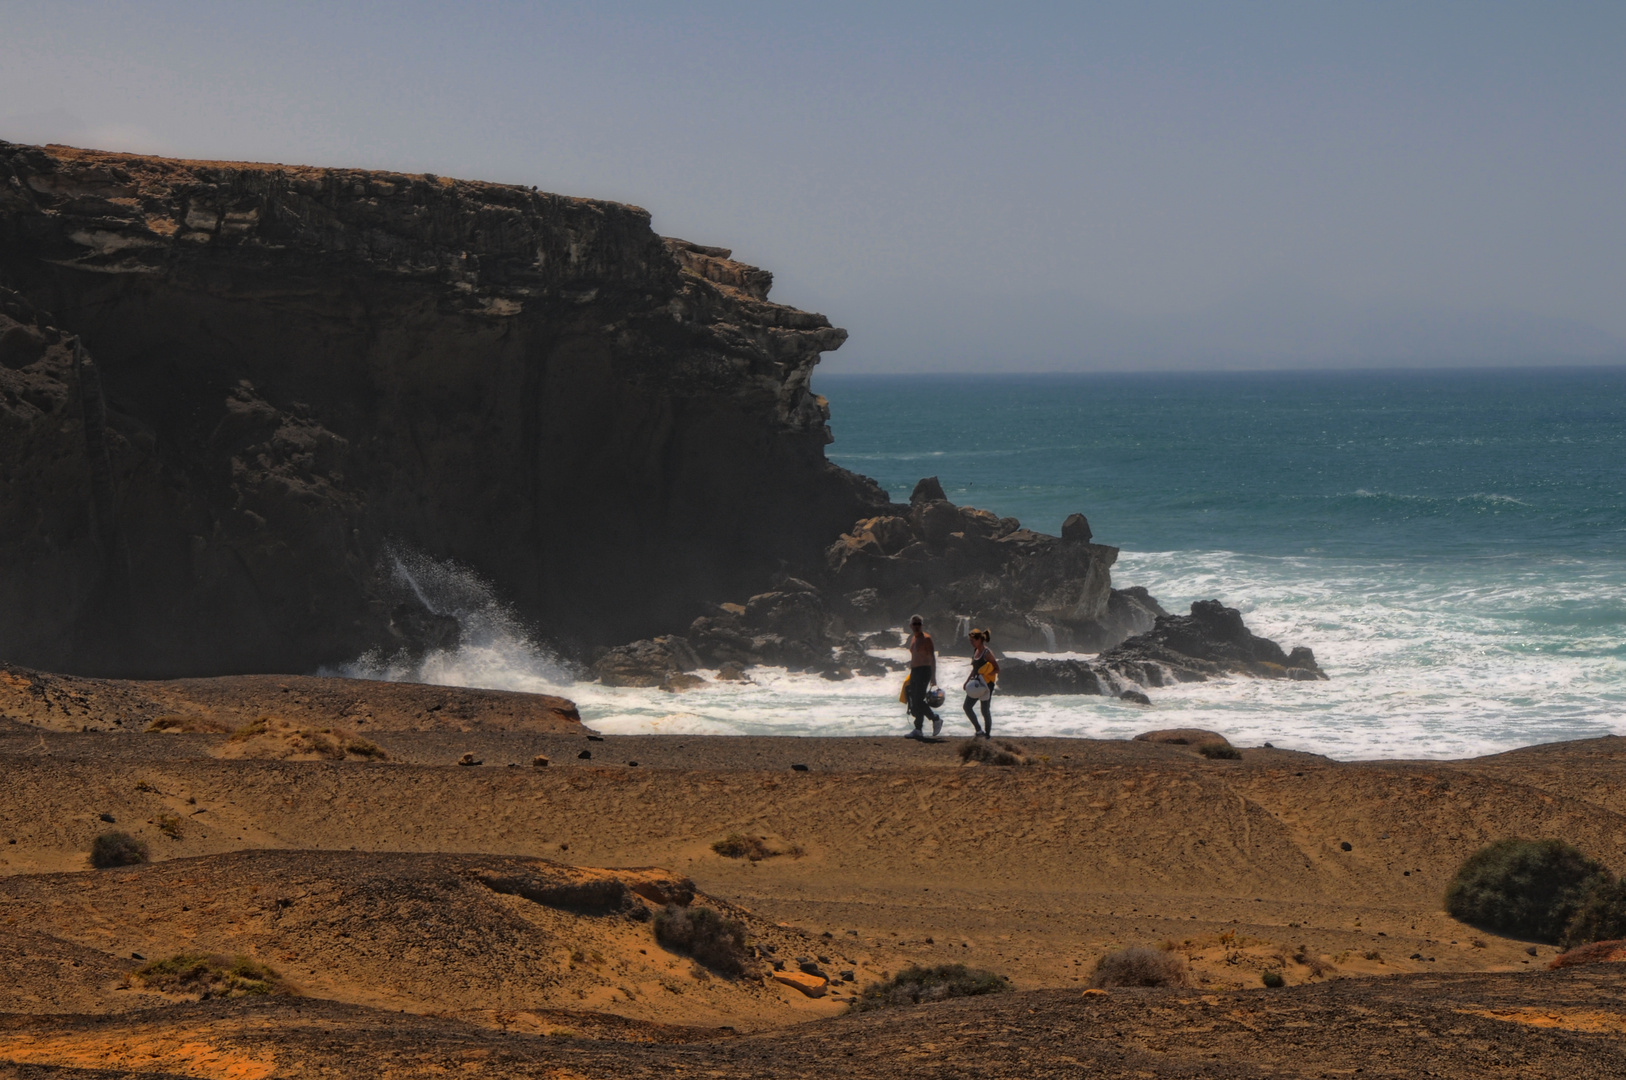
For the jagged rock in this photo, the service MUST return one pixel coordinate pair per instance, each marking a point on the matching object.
(651, 662)
(927, 490)
(1031, 678)
(1212, 640)
(949, 562)
(677, 681)
(295, 365)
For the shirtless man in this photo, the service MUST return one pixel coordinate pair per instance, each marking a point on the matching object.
(922, 674)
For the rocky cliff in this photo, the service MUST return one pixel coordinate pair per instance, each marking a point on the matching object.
(226, 389)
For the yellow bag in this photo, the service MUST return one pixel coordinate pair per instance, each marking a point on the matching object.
(903, 695)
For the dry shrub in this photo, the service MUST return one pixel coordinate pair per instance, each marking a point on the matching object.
(210, 976)
(700, 932)
(1526, 888)
(983, 751)
(1319, 968)
(1140, 966)
(1222, 751)
(270, 737)
(117, 849)
(169, 825)
(188, 725)
(1597, 952)
(755, 848)
(915, 984)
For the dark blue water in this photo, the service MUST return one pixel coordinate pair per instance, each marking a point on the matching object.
(1422, 465)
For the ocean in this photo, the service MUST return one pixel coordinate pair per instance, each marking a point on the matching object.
(1452, 544)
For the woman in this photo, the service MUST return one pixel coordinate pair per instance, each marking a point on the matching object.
(980, 686)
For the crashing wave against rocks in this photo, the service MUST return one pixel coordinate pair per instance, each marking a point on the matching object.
(961, 566)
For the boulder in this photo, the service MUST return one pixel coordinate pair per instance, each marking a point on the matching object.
(650, 662)
(796, 614)
(1076, 529)
(812, 985)
(1182, 737)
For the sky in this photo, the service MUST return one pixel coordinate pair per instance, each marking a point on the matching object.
(964, 187)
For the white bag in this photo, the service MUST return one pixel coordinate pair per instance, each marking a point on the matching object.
(976, 688)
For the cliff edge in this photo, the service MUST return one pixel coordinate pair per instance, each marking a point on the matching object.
(227, 389)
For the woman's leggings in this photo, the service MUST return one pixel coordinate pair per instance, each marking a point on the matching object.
(970, 710)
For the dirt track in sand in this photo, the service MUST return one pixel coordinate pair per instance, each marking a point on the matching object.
(903, 855)
(1554, 1024)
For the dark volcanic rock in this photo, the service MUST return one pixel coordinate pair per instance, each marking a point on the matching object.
(1210, 642)
(646, 663)
(287, 369)
(956, 564)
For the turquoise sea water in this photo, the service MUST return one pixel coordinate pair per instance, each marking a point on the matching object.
(1451, 544)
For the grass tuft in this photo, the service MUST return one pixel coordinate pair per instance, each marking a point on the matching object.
(915, 984)
(706, 936)
(117, 849)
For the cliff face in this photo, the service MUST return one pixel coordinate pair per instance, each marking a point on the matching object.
(253, 378)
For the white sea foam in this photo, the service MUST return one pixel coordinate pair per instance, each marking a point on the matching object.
(1426, 661)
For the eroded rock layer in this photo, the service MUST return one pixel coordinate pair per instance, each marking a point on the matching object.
(226, 388)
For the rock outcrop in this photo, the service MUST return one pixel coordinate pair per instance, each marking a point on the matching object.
(253, 378)
(953, 563)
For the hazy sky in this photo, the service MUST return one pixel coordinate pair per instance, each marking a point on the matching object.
(1001, 186)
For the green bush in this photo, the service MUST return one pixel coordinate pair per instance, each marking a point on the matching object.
(1140, 966)
(1273, 979)
(117, 849)
(1524, 888)
(700, 932)
(211, 976)
(1601, 915)
(915, 984)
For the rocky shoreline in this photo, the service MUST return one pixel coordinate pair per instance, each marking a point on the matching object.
(960, 567)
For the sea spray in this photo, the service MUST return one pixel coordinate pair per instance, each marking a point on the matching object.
(495, 650)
